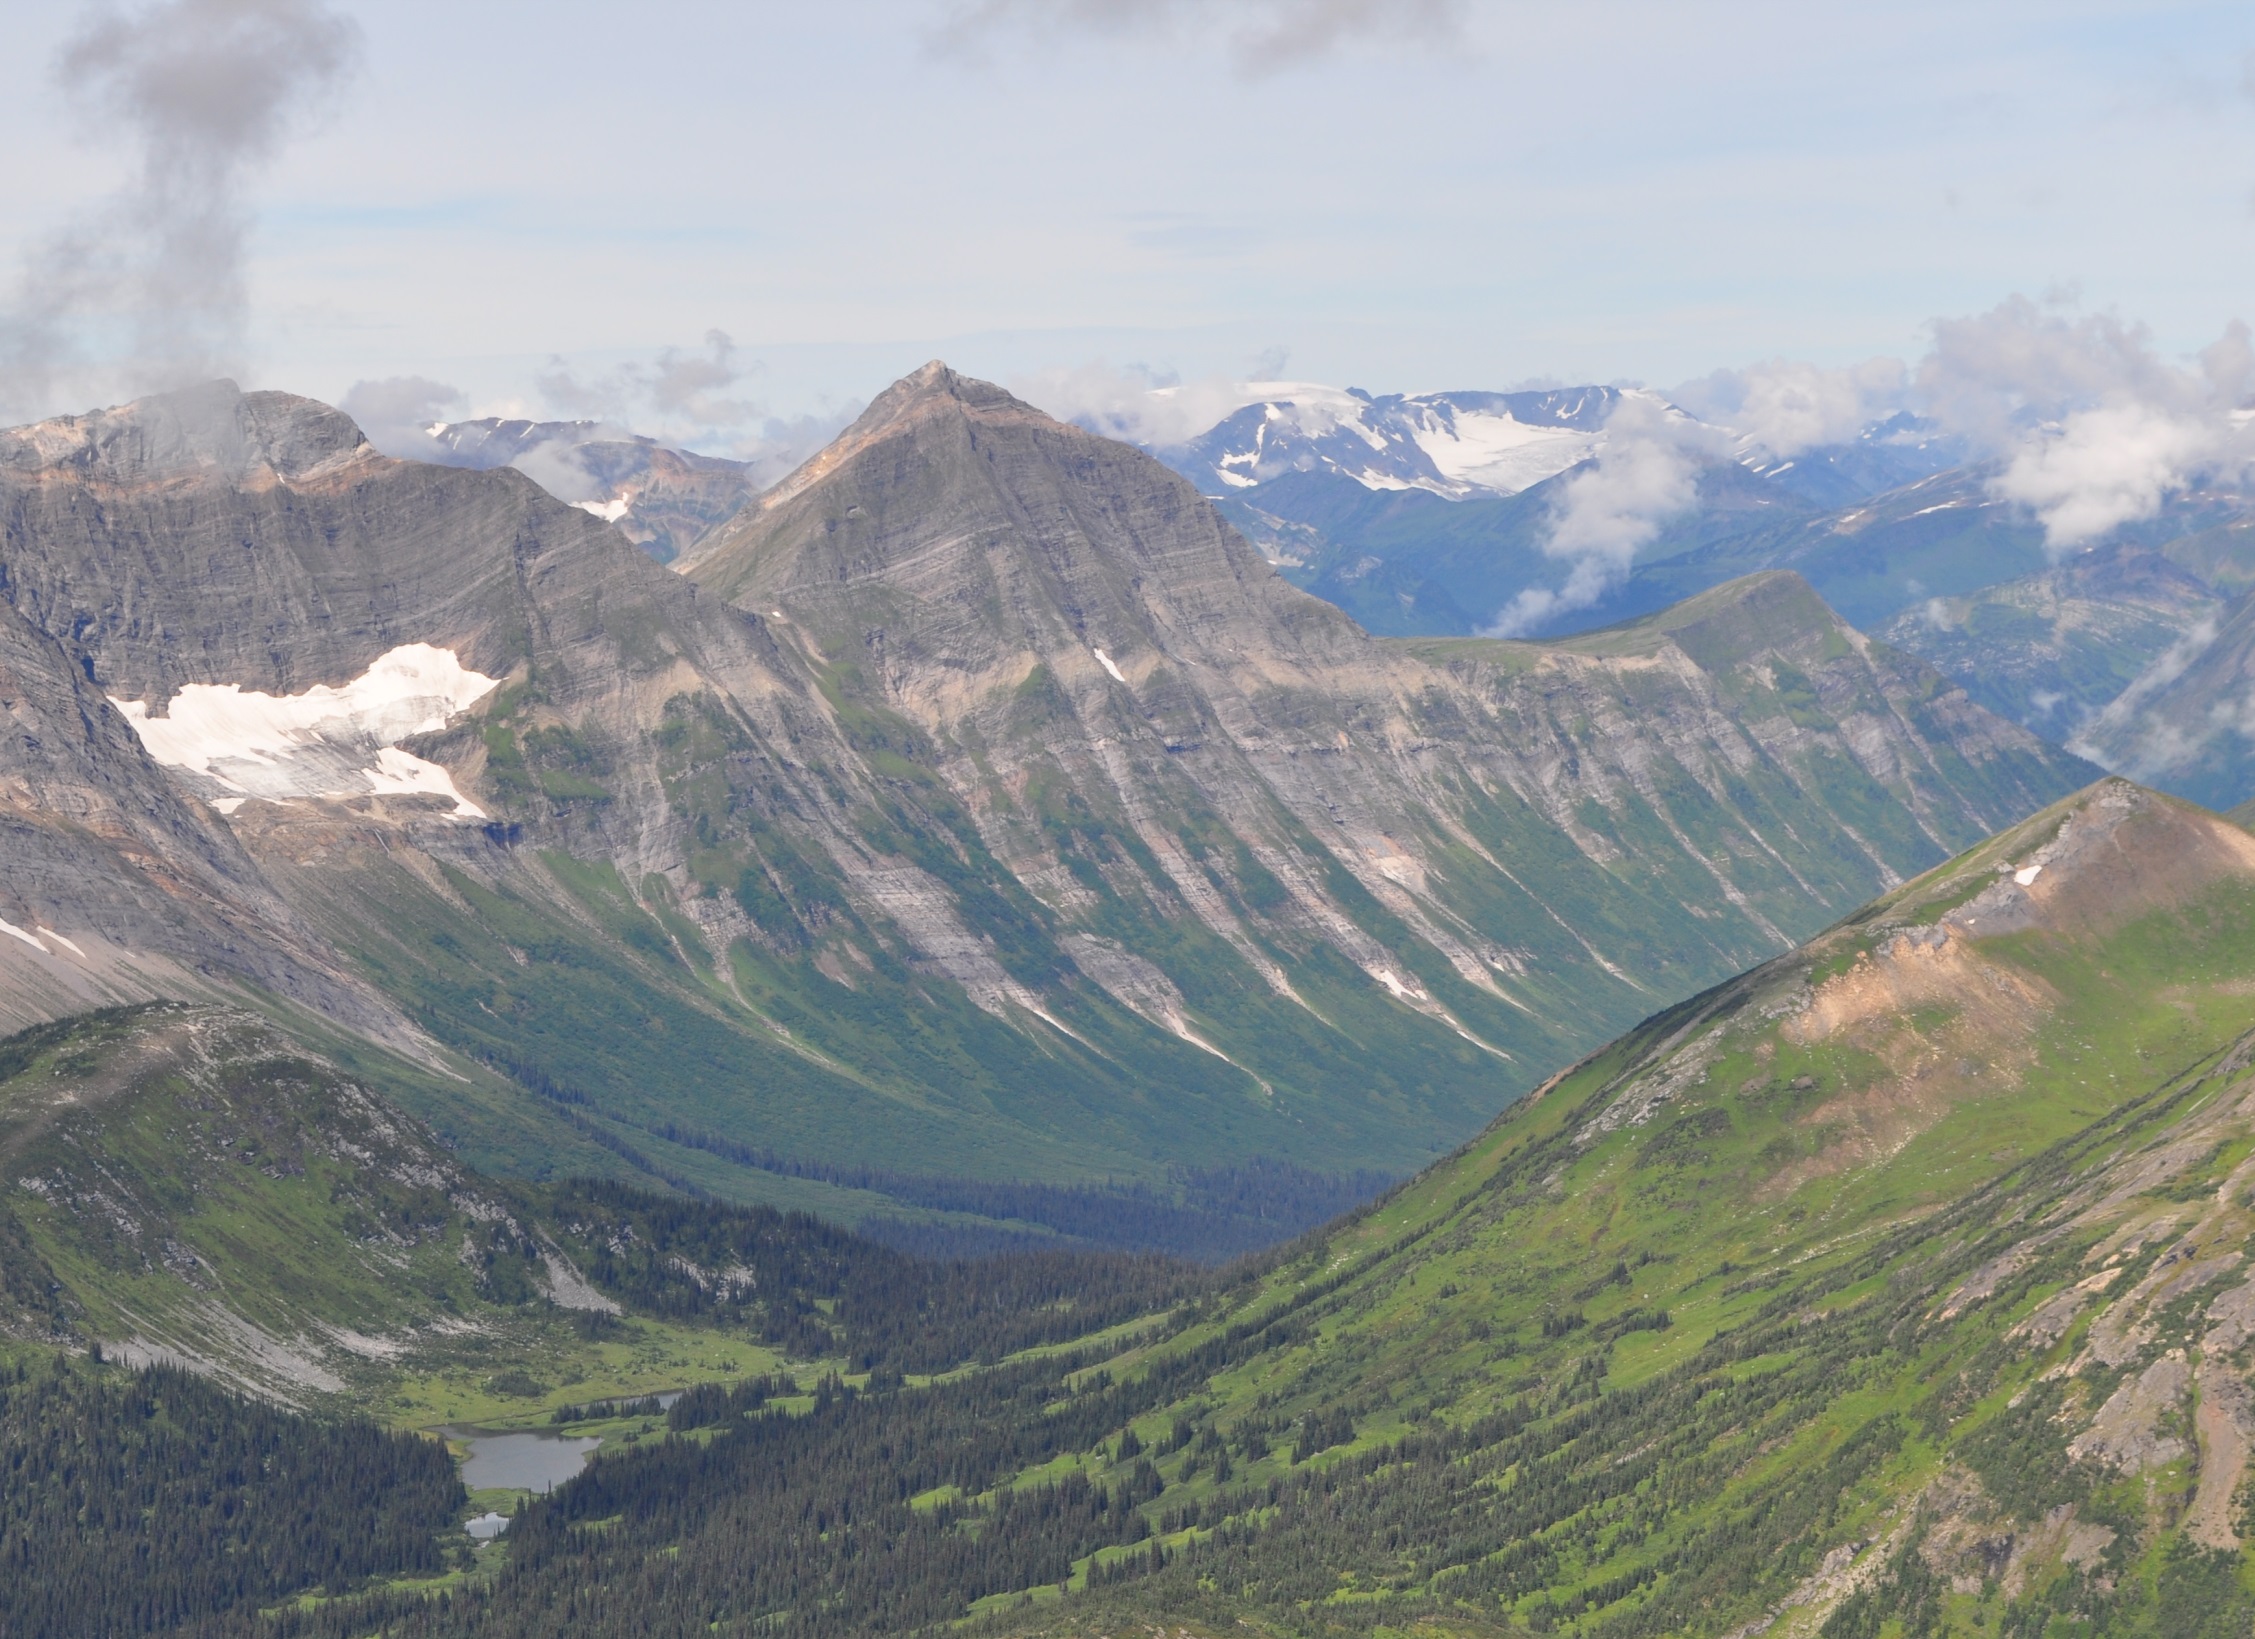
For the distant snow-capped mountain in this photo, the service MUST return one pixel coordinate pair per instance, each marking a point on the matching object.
(1452, 444)
(1902, 449)
(1473, 445)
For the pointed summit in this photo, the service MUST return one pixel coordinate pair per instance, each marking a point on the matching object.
(934, 392)
(936, 383)
(950, 495)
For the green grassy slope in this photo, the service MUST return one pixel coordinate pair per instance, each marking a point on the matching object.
(188, 1184)
(1898, 1287)
(1893, 1283)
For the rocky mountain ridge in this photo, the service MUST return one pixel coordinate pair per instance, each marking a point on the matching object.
(977, 803)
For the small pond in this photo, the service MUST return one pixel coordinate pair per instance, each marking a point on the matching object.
(522, 1459)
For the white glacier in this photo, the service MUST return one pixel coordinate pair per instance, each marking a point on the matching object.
(1499, 453)
(326, 742)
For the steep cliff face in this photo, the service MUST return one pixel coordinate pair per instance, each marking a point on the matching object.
(116, 885)
(1004, 815)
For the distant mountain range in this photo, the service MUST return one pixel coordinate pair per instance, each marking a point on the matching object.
(1449, 444)
(975, 808)
(1476, 445)
(1428, 514)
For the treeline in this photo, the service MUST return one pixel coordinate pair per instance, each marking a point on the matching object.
(816, 1290)
(1210, 1214)
(155, 1502)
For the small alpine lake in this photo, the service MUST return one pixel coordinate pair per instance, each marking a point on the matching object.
(520, 1459)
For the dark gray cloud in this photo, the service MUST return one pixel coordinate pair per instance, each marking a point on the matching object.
(148, 289)
(1261, 36)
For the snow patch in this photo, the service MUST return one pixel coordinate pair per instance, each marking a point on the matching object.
(14, 932)
(1393, 982)
(1105, 660)
(2027, 874)
(402, 773)
(50, 933)
(326, 742)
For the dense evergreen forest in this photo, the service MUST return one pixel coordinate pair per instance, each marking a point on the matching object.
(1210, 1214)
(156, 1502)
(862, 1515)
(896, 1512)
(818, 1291)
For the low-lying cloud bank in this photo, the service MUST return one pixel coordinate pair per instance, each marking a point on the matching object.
(2082, 420)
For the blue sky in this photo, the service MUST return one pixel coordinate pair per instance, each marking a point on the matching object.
(1451, 197)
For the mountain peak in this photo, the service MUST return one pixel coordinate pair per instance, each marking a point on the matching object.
(214, 429)
(934, 390)
(2109, 854)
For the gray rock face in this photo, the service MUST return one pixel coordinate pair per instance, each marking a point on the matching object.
(978, 803)
(126, 888)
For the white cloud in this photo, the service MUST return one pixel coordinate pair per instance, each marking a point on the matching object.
(2125, 738)
(1786, 406)
(1646, 472)
(678, 396)
(1260, 36)
(1136, 404)
(2109, 466)
(560, 469)
(2094, 428)
(395, 412)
